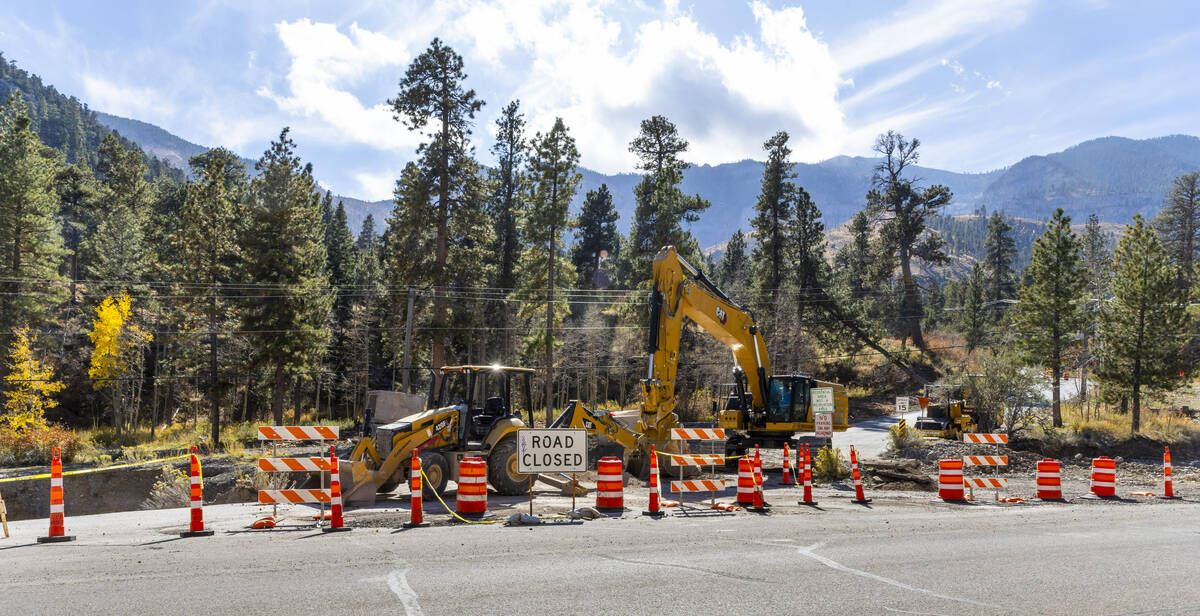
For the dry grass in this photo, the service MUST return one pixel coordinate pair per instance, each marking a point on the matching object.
(829, 465)
(1160, 425)
(900, 439)
(171, 490)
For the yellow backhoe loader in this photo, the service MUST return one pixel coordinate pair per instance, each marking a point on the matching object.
(475, 412)
(766, 409)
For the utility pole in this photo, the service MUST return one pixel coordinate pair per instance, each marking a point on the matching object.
(408, 342)
(550, 334)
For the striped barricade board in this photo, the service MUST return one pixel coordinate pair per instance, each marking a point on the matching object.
(985, 482)
(696, 459)
(985, 438)
(280, 497)
(288, 465)
(697, 434)
(985, 460)
(698, 485)
(297, 433)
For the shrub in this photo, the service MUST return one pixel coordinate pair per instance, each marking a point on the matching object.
(900, 439)
(829, 465)
(171, 490)
(34, 445)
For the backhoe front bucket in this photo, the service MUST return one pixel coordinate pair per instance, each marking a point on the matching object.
(358, 483)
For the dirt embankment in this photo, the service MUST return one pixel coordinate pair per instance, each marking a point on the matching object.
(122, 489)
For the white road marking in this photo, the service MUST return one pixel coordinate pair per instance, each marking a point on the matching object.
(832, 564)
(398, 582)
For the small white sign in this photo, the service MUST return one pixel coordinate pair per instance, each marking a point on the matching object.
(901, 404)
(822, 398)
(823, 425)
(554, 450)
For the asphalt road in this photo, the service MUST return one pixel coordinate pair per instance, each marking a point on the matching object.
(1068, 559)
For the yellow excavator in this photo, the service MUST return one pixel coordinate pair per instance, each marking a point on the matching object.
(766, 409)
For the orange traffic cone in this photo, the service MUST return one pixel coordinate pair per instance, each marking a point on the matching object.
(414, 486)
(57, 532)
(197, 496)
(759, 505)
(654, 509)
(1168, 486)
(786, 478)
(336, 523)
(859, 497)
(806, 472)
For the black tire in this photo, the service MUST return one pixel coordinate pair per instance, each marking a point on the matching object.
(502, 468)
(386, 487)
(731, 463)
(437, 473)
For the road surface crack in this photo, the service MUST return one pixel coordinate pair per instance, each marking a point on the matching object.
(687, 567)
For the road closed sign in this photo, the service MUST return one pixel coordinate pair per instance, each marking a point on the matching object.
(551, 451)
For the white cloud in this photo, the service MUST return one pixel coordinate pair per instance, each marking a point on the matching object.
(325, 63)
(125, 100)
(923, 23)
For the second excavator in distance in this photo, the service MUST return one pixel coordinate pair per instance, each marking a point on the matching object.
(765, 409)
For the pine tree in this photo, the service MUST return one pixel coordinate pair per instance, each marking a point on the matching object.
(999, 252)
(853, 262)
(210, 258)
(733, 271)
(774, 209)
(368, 238)
(1097, 265)
(432, 94)
(809, 271)
(661, 208)
(973, 322)
(906, 210)
(595, 235)
(292, 303)
(507, 197)
(553, 181)
(1050, 312)
(30, 238)
(1178, 225)
(117, 255)
(77, 190)
(1139, 328)
(408, 253)
(341, 258)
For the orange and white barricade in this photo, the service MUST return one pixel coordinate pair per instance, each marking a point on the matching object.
(711, 485)
(1104, 477)
(1049, 480)
(950, 481)
(472, 487)
(58, 514)
(320, 496)
(196, 528)
(610, 484)
(981, 438)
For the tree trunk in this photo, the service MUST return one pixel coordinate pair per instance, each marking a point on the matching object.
(911, 306)
(1085, 359)
(277, 396)
(1137, 396)
(1055, 394)
(297, 400)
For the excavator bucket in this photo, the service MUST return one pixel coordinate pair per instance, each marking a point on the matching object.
(358, 483)
(564, 484)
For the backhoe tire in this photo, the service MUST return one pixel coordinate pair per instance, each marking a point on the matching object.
(437, 473)
(502, 468)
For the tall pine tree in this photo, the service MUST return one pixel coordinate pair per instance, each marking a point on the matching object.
(1140, 327)
(774, 210)
(30, 240)
(973, 320)
(1178, 226)
(1050, 312)
(595, 235)
(433, 97)
(999, 252)
(291, 298)
(553, 181)
(117, 255)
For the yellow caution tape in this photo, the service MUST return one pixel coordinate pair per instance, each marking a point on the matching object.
(95, 470)
(447, 507)
(667, 453)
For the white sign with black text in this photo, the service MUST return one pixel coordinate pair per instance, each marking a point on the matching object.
(553, 450)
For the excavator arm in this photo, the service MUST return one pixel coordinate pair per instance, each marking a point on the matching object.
(679, 290)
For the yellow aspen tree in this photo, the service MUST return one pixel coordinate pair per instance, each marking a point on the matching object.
(30, 387)
(117, 345)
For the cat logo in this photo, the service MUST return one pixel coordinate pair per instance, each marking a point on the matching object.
(589, 425)
(720, 315)
(441, 425)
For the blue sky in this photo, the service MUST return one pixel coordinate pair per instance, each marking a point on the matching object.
(982, 84)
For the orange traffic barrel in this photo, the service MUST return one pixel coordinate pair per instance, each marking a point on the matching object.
(472, 487)
(1104, 477)
(745, 486)
(1049, 480)
(950, 480)
(610, 484)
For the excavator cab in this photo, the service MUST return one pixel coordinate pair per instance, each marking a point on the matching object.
(788, 398)
(488, 394)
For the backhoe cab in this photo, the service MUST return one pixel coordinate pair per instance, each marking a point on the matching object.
(475, 412)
